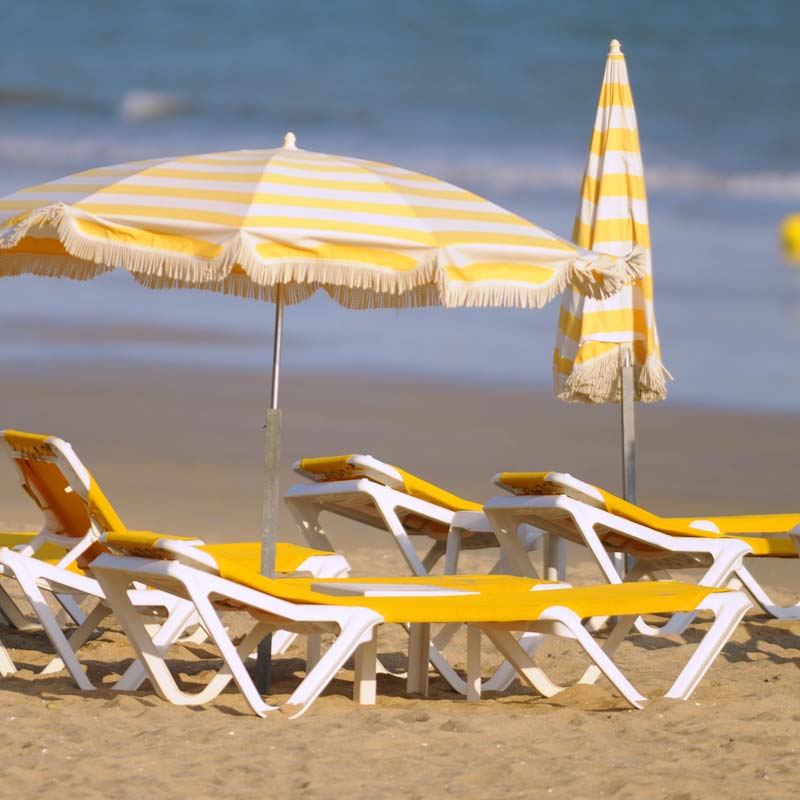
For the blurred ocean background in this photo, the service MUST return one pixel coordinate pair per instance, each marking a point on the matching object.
(494, 95)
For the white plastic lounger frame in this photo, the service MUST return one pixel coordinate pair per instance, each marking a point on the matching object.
(192, 576)
(355, 627)
(576, 520)
(379, 500)
(680, 546)
(36, 578)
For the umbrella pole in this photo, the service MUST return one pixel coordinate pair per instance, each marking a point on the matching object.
(272, 464)
(628, 439)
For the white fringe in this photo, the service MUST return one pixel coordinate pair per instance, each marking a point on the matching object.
(599, 380)
(599, 279)
(355, 285)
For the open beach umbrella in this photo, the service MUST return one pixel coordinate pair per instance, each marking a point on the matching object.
(600, 340)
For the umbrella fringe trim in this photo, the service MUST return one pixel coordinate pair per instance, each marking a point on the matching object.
(599, 380)
(614, 272)
(353, 284)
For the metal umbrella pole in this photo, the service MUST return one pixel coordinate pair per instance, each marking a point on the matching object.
(628, 429)
(272, 465)
(628, 440)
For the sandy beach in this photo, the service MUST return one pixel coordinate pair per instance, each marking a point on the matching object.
(179, 451)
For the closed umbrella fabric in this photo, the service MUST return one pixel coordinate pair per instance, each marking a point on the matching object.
(595, 334)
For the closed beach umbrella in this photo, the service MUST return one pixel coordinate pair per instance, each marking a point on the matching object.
(598, 337)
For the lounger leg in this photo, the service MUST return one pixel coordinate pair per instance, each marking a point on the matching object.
(418, 656)
(177, 621)
(7, 666)
(763, 599)
(506, 672)
(313, 650)
(613, 641)
(152, 657)
(572, 622)
(395, 527)
(51, 627)
(521, 659)
(79, 636)
(364, 686)
(452, 552)
(502, 677)
(233, 662)
(555, 557)
(513, 553)
(728, 609)
(357, 628)
(11, 612)
(439, 662)
(306, 516)
(473, 663)
(431, 559)
(70, 607)
(727, 561)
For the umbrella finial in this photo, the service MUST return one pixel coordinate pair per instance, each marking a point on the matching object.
(290, 141)
(615, 47)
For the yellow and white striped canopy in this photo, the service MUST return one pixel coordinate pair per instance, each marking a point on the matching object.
(594, 334)
(244, 222)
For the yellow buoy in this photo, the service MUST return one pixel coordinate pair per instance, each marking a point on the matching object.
(790, 237)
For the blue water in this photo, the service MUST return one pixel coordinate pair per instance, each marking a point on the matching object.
(497, 96)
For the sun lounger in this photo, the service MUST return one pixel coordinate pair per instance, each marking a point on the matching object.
(574, 510)
(380, 495)
(76, 513)
(363, 489)
(354, 608)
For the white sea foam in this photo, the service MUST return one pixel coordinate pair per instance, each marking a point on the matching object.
(142, 105)
(511, 177)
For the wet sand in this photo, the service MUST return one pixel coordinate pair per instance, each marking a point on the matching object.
(181, 451)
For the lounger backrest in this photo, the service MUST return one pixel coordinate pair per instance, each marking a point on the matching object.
(59, 484)
(554, 483)
(354, 466)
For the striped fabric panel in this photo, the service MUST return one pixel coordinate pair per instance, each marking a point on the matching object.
(611, 217)
(245, 221)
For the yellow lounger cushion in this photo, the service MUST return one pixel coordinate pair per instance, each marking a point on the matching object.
(339, 468)
(546, 483)
(490, 605)
(748, 523)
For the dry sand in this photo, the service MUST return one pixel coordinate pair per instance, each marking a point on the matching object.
(180, 451)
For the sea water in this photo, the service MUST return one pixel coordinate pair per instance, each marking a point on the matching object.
(498, 97)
